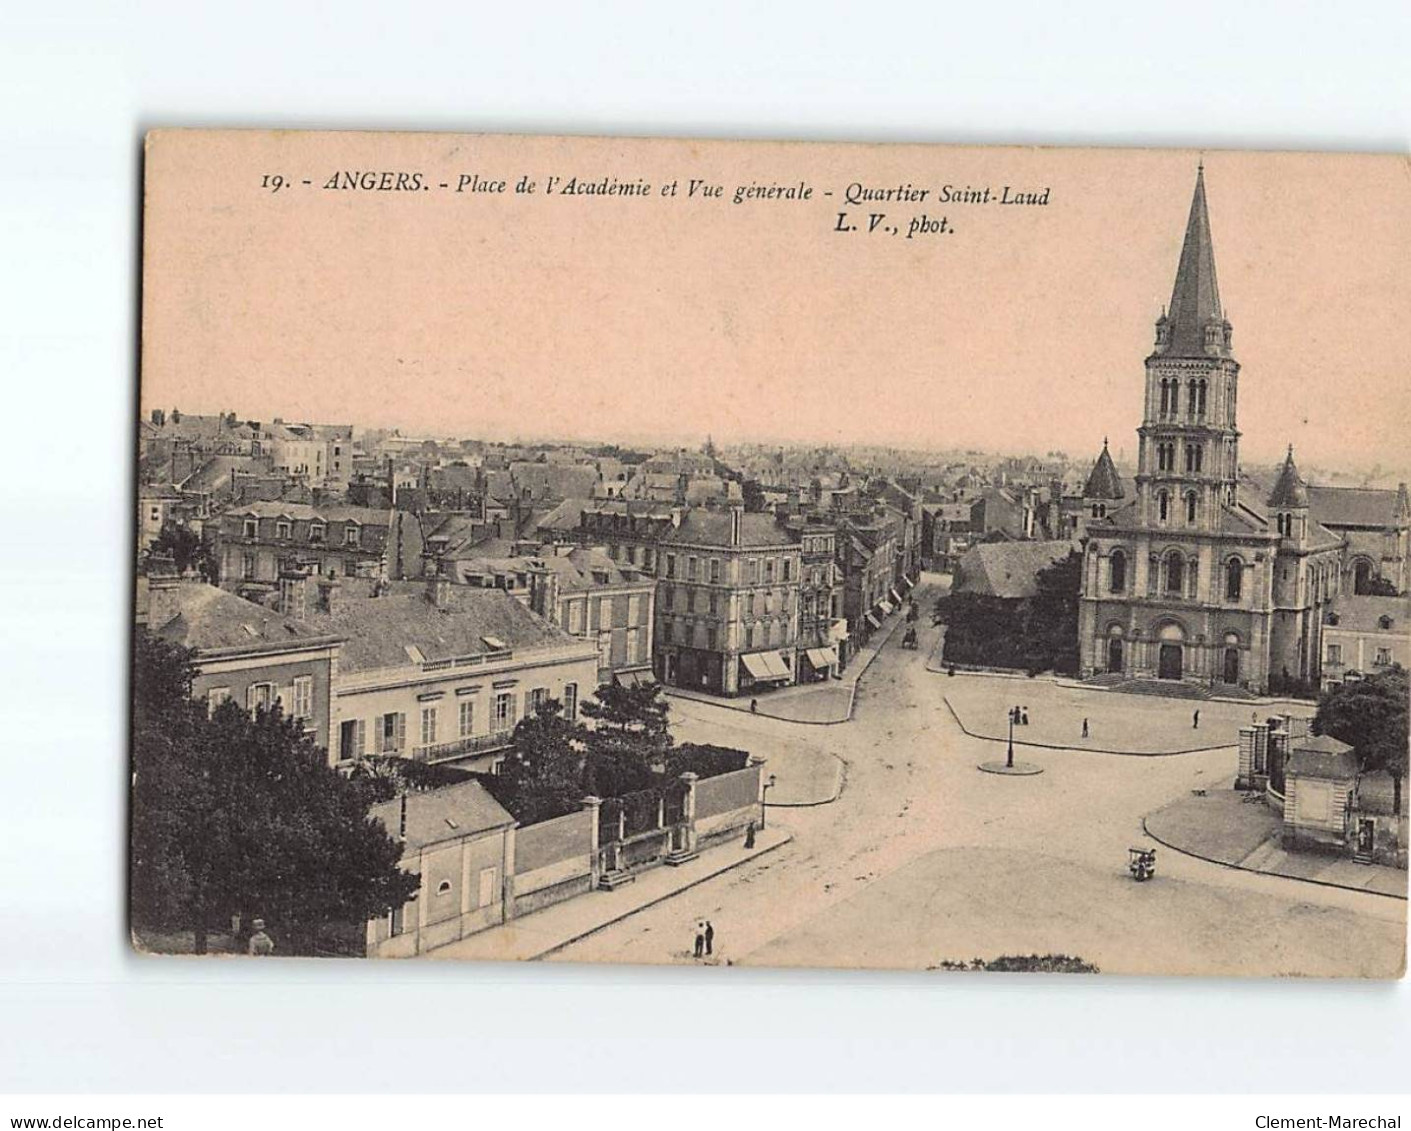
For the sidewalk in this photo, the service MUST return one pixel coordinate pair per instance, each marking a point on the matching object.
(826, 703)
(1223, 828)
(544, 932)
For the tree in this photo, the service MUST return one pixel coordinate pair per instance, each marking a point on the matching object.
(1380, 587)
(1052, 625)
(630, 741)
(544, 774)
(233, 814)
(752, 495)
(1370, 714)
(185, 548)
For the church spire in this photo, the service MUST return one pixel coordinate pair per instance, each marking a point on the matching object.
(1196, 324)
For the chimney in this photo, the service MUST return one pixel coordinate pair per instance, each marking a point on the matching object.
(293, 593)
(438, 590)
(163, 599)
(737, 518)
(328, 588)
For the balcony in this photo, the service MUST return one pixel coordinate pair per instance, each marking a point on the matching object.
(463, 747)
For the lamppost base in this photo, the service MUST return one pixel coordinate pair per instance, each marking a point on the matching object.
(1018, 770)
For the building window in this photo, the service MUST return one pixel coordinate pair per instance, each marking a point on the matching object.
(352, 535)
(570, 701)
(752, 577)
(1163, 505)
(466, 711)
(691, 569)
(768, 570)
(1334, 654)
(1234, 579)
(393, 733)
(316, 531)
(1119, 571)
(712, 637)
(215, 697)
(284, 530)
(667, 598)
(1190, 506)
(443, 888)
(575, 618)
(715, 571)
(670, 565)
(1175, 572)
(537, 698)
(784, 570)
(714, 604)
(396, 922)
(749, 604)
(252, 528)
(504, 712)
(303, 697)
(351, 735)
(1383, 657)
(428, 726)
(259, 696)
(668, 631)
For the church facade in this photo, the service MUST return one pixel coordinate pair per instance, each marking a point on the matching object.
(1199, 574)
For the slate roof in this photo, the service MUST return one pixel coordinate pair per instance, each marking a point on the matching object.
(378, 629)
(1354, 506)
(1103, 481)
(1195, 298)
(1364, 614)
(1008, 569)
(712, 528)
(212, 619)
(1321, 756)
(277, 508)
(564, 517)
(438, 815)
(1289, 489)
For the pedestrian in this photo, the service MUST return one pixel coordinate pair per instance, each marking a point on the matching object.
(261, 945)
(950, 671)
(700, 940)
(1024, 718)
(709, 936)
(754, 706)
(749, 836)
(1195, 720)
(1085, 728)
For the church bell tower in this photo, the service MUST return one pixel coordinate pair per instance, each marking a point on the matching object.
(1188, 460)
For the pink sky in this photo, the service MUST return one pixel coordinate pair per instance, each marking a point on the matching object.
(631, 318)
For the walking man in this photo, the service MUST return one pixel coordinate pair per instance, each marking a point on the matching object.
(1195, 720)
(749, 836)
(1024, 718)
(700, 940)
(1085, 728)
(709, 936)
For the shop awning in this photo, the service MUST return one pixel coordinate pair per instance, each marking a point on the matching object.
(755, 665)
(634, 679)
(895, 595)
(873, 621)
(778, 669)
(885, 606)
(766, 666)
(821, 658)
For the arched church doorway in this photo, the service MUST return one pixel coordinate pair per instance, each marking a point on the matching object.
(1114, 654)
(1170, 656)
(1232, 664)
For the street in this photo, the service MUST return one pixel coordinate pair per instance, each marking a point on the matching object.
(922, 858)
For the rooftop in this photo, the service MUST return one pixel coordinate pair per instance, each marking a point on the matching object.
(438, 815)
(210, 619)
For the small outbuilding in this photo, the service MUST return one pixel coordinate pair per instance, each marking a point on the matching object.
(1320, 786)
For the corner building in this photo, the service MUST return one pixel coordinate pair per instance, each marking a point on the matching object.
(1203, 576)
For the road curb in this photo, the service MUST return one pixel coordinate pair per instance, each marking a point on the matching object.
(653, 902)
(1086, 749)
(1258, 872)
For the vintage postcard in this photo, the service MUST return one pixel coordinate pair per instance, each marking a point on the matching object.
(742, 553)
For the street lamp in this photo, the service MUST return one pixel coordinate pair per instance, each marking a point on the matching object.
(1009, 758)
(764, 798)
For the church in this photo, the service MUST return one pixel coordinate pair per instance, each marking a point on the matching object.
(1201, 574)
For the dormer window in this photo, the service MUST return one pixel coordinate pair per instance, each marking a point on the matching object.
(352, 534)
(316, 532)
(252, 528)
(1384, 623)
(284, 529)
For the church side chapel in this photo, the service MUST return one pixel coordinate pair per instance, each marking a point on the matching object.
(1202, 575)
